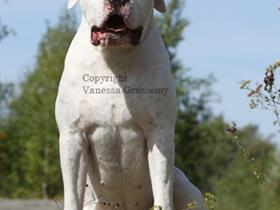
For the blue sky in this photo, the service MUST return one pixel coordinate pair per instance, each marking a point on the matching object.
(234, 40)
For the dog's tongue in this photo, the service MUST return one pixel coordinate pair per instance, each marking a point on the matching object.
(116, 29)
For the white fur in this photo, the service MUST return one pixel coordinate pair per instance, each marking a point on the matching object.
(159, 5)
(121, 145)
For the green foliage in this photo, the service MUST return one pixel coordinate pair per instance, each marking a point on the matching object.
(209, 203)
(35, 171)
(192, 131)
(172, 26)
(254, 161)
(265, 95)
(203, 150)
(193, 111)
(262, 95)
(6, 92)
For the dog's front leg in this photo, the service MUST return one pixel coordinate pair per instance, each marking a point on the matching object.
(160, 144)
(73, 155)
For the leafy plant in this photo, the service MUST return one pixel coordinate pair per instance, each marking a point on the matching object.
(265, 95)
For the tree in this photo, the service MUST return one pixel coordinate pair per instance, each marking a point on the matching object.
(6, 91)
(242, 185)
(193, 110)
(203, 150)
(4, 30)
(35, 171)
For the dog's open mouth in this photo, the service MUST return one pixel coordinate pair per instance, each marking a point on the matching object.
(115, 32)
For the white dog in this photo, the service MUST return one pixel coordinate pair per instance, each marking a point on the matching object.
(116, 113)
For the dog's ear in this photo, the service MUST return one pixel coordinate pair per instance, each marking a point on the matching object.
(160, 6)
(71, 3)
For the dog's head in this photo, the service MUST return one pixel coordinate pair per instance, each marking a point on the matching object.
(118, 22)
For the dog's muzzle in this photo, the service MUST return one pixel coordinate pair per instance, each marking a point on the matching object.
(114, 32)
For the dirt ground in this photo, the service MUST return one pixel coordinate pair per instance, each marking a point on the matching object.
(29, 205)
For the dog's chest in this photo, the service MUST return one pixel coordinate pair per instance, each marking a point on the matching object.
(116, 137)
(115, 124)
(116, 148)
(109, 116)
(111, 110)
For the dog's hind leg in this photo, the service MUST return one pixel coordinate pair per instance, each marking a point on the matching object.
(185, 192)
